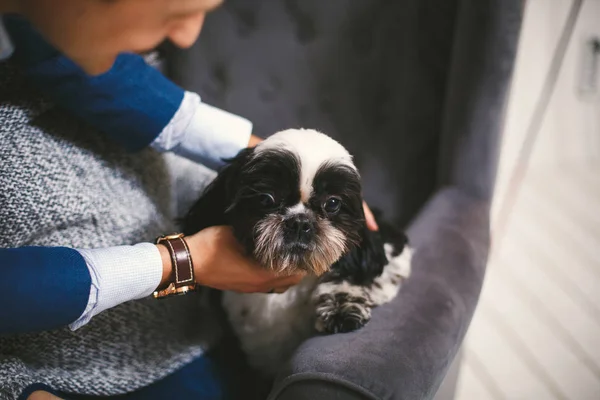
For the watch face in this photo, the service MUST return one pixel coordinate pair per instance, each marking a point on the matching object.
(172, 291)
(186, 289)
(172, 294)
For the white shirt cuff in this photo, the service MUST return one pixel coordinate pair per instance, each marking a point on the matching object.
(204, 133)
(119, 274)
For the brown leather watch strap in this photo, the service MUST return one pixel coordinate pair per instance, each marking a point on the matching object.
(183, 267)
(182, 261)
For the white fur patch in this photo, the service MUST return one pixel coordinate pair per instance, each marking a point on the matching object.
(271, 326)
(313, 149)
(299, 208)
(386, 286)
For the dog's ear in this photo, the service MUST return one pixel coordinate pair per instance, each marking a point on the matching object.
(363, 263)
(211, 208)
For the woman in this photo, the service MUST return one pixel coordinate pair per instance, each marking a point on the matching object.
(80, 269)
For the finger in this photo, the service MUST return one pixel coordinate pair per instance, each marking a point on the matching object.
(280, 290)
(42, 395)
(289, 280)
(370, 218)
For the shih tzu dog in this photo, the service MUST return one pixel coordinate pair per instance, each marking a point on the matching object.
(295, 204)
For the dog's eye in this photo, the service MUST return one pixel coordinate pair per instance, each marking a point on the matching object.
(332, 205)
(266, 200)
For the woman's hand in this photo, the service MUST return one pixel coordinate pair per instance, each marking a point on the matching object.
(42, 395)
(220, 263)
(370, 218)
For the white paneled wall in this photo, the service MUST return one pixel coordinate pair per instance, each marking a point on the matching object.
(536, 332)
(570, 131)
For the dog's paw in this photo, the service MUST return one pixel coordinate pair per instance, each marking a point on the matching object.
(341, 312)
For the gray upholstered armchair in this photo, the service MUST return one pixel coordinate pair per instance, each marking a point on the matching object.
(415, 89)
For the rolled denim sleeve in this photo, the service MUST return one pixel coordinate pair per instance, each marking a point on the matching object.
(133, 103)
(41, 288)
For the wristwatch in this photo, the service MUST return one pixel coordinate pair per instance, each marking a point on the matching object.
(183, 268)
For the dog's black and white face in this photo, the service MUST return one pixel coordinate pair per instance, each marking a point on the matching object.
(294, 202)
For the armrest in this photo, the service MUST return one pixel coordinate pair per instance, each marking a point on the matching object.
(408, 346)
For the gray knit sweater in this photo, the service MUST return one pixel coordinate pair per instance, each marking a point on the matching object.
(65, 184)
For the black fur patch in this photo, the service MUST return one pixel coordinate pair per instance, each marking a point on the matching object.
(390, 234)
(363, 263)
(210, 208)
(233, 198)
(366, 261)
(344, 182)
(275, 172)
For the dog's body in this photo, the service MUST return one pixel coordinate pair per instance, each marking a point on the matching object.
(295, 203)
(271, 326)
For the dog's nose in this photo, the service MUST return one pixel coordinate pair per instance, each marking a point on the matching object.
(299, 225)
